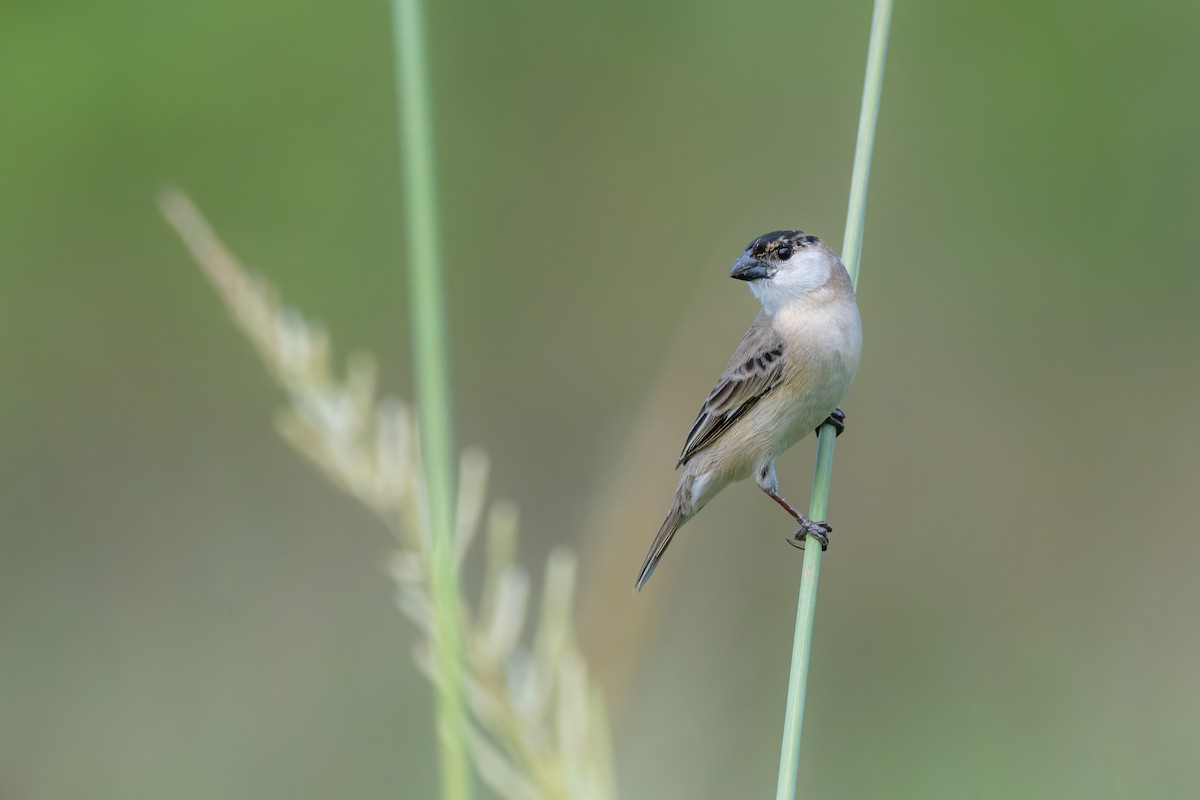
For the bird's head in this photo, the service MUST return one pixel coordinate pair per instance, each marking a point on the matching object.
(783, 266)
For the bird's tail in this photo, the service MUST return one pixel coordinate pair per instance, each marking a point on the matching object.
(675, 519)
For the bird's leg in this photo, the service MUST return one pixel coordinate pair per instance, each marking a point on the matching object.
(766, 480)
(818, 530)
(778, 498)
(837, 419)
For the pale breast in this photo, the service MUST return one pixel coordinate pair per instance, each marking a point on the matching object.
(822, 346)
(823, 350)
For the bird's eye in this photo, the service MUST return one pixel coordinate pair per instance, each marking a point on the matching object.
(784, 253)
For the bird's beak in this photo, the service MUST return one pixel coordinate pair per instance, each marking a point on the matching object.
(749, 268)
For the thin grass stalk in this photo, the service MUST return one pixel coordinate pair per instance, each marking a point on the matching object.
(427, 311)
(810, 570)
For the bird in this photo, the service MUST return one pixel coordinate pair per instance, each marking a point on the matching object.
(786, 378)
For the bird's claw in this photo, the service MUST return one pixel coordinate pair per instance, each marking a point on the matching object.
(837, 419)
(818, 530)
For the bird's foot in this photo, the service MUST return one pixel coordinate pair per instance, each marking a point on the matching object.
(837, 419)
(817, 530)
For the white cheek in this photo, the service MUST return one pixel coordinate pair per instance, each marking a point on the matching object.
(795, 279)
(803, 277)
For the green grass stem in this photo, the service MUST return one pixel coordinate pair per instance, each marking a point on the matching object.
(427, 310)
(810, 570)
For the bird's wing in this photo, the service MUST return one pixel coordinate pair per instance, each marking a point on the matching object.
(755, 369)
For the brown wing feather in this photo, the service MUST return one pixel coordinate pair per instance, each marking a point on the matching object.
(755, 369)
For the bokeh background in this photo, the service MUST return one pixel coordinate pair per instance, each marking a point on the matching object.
(188, 610)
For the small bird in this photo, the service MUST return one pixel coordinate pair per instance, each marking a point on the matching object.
(785, 379)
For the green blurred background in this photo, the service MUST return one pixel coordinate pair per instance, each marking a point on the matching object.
(187, 610)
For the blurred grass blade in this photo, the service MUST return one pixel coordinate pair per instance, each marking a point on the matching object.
(537, 728)
(810, 571)
(473, 470)
(427, 310)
